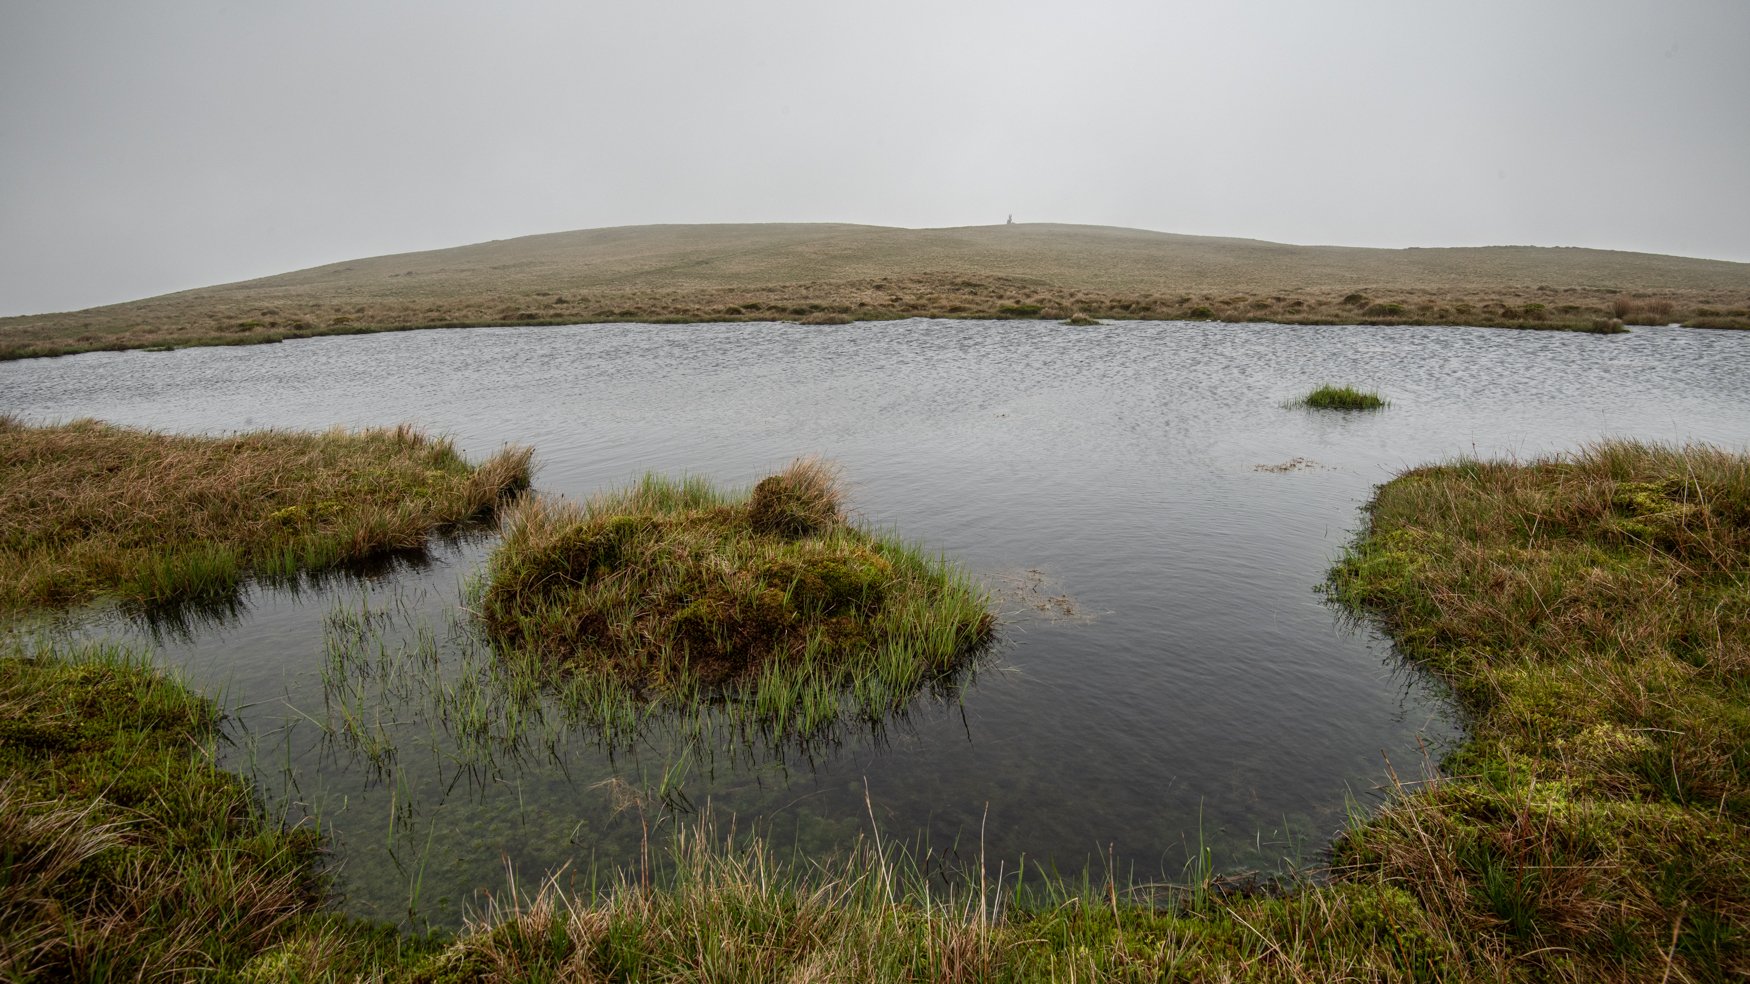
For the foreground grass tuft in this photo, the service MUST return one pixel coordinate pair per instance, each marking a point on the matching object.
(1593, 613)
(732, 911)
(88, 510)
(769, 601)
(126, 856)
(1341, 398)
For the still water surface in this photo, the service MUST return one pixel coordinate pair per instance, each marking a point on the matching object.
(1184, 684)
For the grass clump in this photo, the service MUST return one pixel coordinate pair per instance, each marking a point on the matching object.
(126, 854)
(677, 592)
(89, 510)
(733, 911)
(1341, 398)
(1593, 615)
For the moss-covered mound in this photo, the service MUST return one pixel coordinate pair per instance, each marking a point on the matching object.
(1593, 614)
(678, 592)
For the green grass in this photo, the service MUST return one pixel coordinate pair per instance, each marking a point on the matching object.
(1592, 613)
(124, 853)
(765, 601)
(731, 910)
(91, 511)
(1341, 398)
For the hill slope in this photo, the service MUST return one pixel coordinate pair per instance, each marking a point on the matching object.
(832, 272)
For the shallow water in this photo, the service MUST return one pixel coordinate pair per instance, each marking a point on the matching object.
(1197, 692)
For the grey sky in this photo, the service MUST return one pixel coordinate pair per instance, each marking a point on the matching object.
(149, 147)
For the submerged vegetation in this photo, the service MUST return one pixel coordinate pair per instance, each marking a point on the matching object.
(1341, 398)
(678, 592)
(89, 510)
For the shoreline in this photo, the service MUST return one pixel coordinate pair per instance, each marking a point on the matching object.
(157, 343)
(813, 273)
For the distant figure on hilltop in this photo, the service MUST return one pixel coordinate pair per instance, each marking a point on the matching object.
(1011, 219)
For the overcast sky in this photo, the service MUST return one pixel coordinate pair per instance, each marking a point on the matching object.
(149, 147)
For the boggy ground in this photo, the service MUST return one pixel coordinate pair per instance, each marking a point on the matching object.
(89, 510)
(1591, 612)
(769, 601)
(831, 274)
(124, 853)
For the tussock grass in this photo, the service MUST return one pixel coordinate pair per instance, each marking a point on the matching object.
(89, 510)
(733, 911)
(124, 854)
(1593, 614)
(1341, 398)
(769, 600)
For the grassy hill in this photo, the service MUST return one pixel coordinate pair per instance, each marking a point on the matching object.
(830, 273)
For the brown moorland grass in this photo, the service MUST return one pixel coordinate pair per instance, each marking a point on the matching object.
(733, 912)
(124, 856)
(834, 273)
(89, 510)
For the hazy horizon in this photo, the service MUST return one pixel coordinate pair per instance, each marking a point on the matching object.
(148, 151)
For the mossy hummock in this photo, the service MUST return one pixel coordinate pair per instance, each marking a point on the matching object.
(677, 592)
(1592, 613)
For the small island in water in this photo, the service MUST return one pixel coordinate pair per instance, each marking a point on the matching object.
(768, 601)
